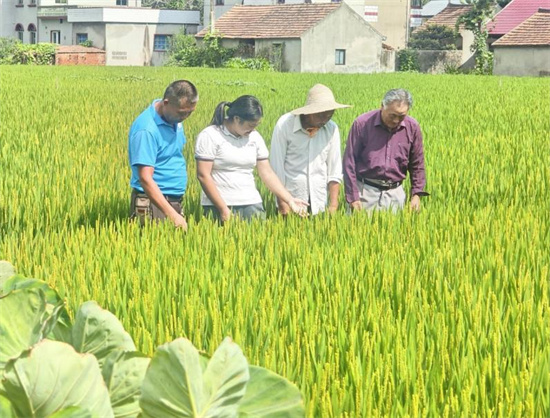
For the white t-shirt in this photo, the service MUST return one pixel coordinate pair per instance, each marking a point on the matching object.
(234, 160)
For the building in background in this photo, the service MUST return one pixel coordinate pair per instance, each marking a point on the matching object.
(129, 34)
(327, 37)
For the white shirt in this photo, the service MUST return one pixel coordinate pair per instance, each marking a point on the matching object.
(234, 159)
(306, 165)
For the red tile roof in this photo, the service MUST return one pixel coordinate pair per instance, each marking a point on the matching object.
(77, 49)
(534, 31)
(281, 21)
(513, 14)
(449, 15)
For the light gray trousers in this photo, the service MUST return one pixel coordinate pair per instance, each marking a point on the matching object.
(373, 198)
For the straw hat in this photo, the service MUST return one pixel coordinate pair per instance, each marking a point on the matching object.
(319, 99)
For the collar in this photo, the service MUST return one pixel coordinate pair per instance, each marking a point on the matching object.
(157, 118)
(225, 131)
(298, 126)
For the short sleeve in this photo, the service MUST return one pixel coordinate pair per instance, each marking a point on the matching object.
(261, 150)
(143, 149)
(206, 147)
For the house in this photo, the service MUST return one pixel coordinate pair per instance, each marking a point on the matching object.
(448, 17)
(515, 12)
(130, 34)
(392, 18)
(327, 37)
(525, 50)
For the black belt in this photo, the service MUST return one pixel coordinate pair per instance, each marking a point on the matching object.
(385, 186)
(169, 197)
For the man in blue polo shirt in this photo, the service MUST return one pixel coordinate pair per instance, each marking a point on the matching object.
(155, 148)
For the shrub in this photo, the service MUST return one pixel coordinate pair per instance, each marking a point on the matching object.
(17, 53)
(433, 37)
(408, 60)
(260, 64)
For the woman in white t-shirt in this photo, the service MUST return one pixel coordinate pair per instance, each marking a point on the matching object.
(226, 153)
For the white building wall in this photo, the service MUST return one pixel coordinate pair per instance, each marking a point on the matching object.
(522, 61)
(132, 44)
(292, 52)
(46, 26)
(13, 13)
(343, 29)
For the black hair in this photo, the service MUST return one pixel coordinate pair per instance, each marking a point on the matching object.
(181, 89)
(248, 108)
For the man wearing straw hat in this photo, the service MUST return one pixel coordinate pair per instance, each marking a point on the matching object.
(305, 152)
(383, 145)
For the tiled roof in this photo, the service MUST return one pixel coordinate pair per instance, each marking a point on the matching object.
(281, 21)
(449, 15)
(77, 49)
(513, 14)
(534, 31)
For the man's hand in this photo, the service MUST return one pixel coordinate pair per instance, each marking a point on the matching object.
(298, 206)
(415, 203)
(356, 206)
(332, 209)
(179, 222)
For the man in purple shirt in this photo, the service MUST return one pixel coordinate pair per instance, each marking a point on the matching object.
(382, 146)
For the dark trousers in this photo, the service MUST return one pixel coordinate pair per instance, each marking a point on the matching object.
(141, 207)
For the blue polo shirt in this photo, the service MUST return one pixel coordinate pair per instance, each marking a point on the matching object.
(155, 143)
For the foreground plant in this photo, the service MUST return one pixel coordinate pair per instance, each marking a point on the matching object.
(90, 368)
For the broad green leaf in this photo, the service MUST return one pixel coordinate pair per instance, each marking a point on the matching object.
(59, 321)
(6, 271)
(6, 408)
(225, 380)
(173, 384)
(23, 313)
(73, 412)
(123, 372)
(52, 376)
(270, 395)
(99, 332)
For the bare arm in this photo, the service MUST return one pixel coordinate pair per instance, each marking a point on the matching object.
(204, 174)
(333, 193)
(154, 194)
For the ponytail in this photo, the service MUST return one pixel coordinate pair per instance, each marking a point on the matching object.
(219, 114)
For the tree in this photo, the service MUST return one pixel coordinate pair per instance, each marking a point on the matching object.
(433, 37)
(474, 20)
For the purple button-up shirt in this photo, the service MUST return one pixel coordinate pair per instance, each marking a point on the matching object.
(375, 152)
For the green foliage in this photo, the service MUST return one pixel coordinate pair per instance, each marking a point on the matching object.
(433, 37)
(408, 60)
(260, 64)
(14, 53)
(474, 20)
(87, 43)
(184, 51)
(101, 375)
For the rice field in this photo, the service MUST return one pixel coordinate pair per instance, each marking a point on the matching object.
(441, 313)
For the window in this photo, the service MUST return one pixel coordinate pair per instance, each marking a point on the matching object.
(32, 2)
(280, 1)
(340, 57)
(19, 29)
(81, 37)
(32, 32)
(162, 42)
(219, 2)
(122, 2)
(55, 37)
